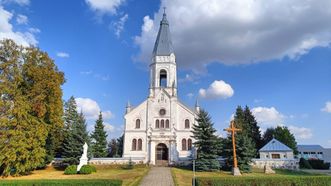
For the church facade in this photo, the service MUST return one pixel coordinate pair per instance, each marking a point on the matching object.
(158, 131)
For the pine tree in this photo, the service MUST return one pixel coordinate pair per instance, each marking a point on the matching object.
(113, 148)
(206, 143)
(99, 136)
(252, 128)
(120, 145)
(74, 132)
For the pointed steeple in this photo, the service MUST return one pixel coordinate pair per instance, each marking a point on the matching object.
(163, 44)
(128, 107)
(197, 106)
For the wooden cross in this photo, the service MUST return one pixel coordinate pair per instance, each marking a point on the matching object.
(233, 130)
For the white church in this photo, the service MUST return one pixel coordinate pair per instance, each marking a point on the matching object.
(158, 131)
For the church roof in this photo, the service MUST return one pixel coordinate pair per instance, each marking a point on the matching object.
(274, 145)
(163, 43)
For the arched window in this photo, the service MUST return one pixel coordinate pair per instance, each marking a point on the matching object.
(184, 144)
(189, 144)
(187, 123)
(137, 123)
(162, 123)
(167, 124)
(134, 144)
(157, 124)
(140, 144)
(163, 78)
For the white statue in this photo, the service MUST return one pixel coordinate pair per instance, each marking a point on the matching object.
(83, 159)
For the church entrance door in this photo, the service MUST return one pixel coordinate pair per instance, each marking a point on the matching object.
(162, 154)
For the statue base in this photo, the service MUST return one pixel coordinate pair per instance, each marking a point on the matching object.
(236, 172)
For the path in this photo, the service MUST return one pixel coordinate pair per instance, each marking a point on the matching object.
(158, 176)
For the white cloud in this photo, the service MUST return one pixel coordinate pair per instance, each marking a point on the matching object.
(267, 116)
(22, 19)
(86, 72)
(91, 109)
(327, 107)
(62, 54)
(190, 95)
(19, 2)
(105, 6)
(218, 89)
(119, 25)
(301, 132)
(7, 32)
(238, 31)
(108, 127)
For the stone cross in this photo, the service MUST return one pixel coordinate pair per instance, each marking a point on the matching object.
(232, 129)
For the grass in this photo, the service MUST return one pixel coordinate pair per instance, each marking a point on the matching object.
(183, 177)
(130, 177)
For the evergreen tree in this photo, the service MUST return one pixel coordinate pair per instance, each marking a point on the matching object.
(252, 128)
(120, 145)
(206, 143)
(283, 135)
(74, 132)
(245, 146)
(99, 136)
(113, 148)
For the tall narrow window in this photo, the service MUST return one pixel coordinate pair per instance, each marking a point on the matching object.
(187, 123)
(140, 144)
(157, 124)
(189, 144)
(163, 78)
(162, 123)
(134, 144)
(138, 124)
(167, 124)
(184, 144)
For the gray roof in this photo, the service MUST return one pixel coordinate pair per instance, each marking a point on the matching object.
(309, 147)
(163, 44)
(273, 146)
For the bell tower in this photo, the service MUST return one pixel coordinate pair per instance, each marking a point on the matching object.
(163, 73)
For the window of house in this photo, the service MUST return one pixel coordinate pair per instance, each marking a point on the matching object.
(140, 143)
(138, 124)
(163, 78)
(134, 144)
(167, 124)
(187, 123)
(189, 144)
(184, 144)
(275, 156)
(157, 124)
(162, 123)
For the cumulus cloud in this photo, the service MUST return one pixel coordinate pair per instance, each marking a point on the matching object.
(19, 2)
(118, 26)
(238, 31)
(105, 6)
(301, 132)
(62, 54)
(327, 107)
(268, 116)
(91, 109)
(108, 127)
(7, 31)
(218, 89)
(22, 19)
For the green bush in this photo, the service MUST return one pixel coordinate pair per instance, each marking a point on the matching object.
(84, 182)
(304, 164)
(87, 169)
(265, 181)
(71, 169)
(319, 164)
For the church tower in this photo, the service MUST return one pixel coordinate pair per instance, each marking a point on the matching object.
(163, 72)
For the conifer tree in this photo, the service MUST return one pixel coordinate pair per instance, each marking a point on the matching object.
(206, 143)
(99, 137)
(252, 128)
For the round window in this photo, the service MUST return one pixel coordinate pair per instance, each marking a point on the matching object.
(162, 112)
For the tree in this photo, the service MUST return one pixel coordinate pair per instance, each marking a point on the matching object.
(206, 143)
(27, 116)
(75, 133)
(282, 134)
(99, 136)
(245, 145)
(115, 147)
(252, 129)
(120, 145)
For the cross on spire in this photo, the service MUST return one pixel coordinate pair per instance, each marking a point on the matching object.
(164, 9)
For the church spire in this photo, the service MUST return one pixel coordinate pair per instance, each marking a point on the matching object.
(163, 43)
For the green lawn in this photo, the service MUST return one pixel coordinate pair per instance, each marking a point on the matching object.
(183, 177)
(129, 177)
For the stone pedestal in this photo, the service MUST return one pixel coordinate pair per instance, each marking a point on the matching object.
(268, 170)
(236, 172)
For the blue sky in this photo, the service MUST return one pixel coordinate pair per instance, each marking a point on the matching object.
(273, 56)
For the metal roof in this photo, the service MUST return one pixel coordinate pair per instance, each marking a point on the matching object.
(163, 43)
(309, 147)
(273, 146)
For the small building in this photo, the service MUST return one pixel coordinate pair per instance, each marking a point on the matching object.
(276, 155)
(314, 152)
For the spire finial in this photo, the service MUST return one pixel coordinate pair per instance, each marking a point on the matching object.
(164, 10)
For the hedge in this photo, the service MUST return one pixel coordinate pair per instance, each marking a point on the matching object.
(80, 182)
(265, 181)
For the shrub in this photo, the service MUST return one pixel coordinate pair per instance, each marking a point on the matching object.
(304, 164)
(87, 169)
(129, 165)
(59, 182)
(72, 169)
(319, 164)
